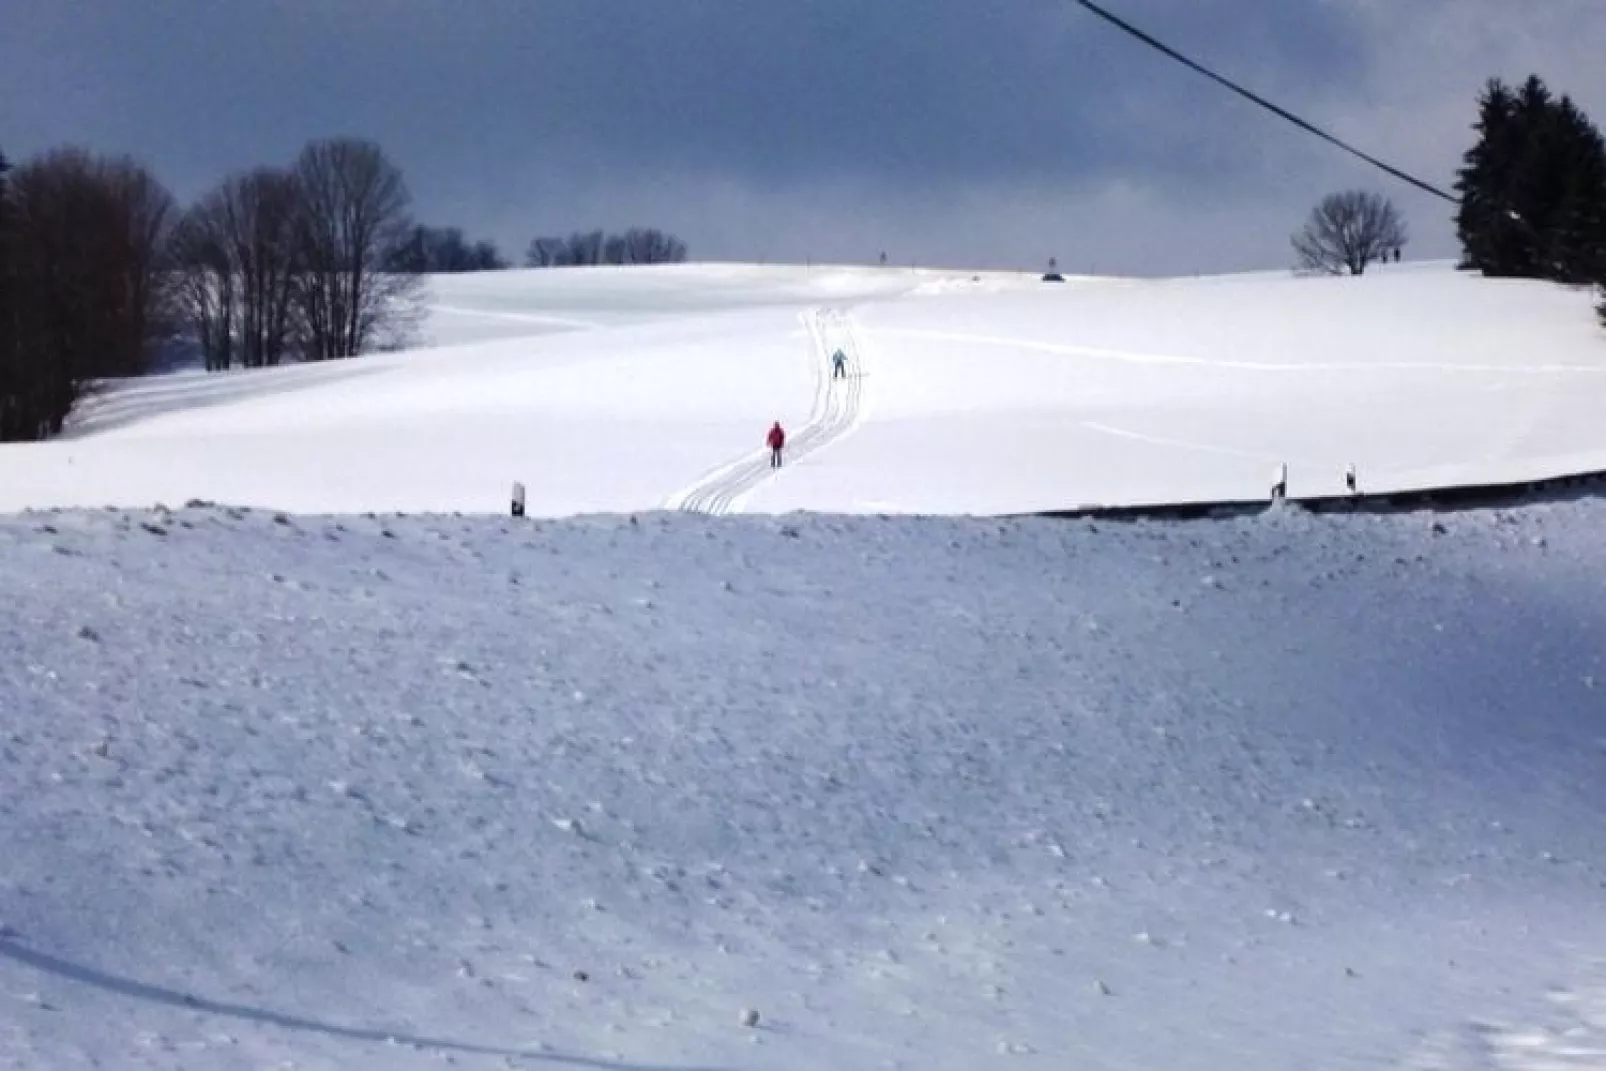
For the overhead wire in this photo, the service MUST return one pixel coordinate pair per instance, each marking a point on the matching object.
(1155, 43)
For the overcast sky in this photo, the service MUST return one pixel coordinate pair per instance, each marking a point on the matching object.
(976, 133)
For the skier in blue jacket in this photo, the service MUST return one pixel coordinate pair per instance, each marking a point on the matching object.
(839, 365)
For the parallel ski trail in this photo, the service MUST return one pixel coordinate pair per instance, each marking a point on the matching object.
(838, 408)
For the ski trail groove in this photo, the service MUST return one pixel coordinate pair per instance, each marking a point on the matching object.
(838, 408)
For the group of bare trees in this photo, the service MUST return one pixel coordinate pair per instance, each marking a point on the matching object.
(82, 282)
(638, 245)
(446, 251)
(99, 269)
(300, 263)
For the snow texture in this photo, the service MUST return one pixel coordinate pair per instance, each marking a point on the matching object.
(676, 792)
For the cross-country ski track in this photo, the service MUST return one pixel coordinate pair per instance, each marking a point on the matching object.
(837, 411)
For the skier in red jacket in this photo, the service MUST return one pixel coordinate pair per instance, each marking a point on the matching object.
(776, 441)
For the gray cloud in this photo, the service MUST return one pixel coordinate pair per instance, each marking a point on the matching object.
(981, 134)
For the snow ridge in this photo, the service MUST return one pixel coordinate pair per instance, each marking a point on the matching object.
(836, 412)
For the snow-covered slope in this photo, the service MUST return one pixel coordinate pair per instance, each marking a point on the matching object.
(617, 389)
(402, 793)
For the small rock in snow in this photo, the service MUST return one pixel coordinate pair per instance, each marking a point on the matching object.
(87, 633)
(749, 1017)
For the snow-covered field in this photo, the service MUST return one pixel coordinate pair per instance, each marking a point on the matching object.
(336, 788)
(608, 390)
(376, 793)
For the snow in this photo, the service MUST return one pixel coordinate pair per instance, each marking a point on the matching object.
(611, 390)
(345, 780)
(393, 792)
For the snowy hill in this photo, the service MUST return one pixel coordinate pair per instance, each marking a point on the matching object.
(404, 793)
(609, 390)
(326, 789)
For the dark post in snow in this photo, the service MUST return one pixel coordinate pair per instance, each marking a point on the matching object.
(518, 499)
(1349, 479)
(1279, 487)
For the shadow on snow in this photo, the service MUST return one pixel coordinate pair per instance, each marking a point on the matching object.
(155, 994)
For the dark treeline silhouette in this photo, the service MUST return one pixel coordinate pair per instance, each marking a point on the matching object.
(638, 245)
(430, 250)
(1533, 188)
(84, 289)
(99, 269)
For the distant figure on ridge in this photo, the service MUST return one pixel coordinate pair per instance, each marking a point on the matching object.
(839, 365)
(776, 441)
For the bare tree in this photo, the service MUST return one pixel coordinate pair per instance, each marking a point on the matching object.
(236, 257)
(262, 209)
(586, 248)
(647, 245)
(208, 284)
(1347, 231)
(544, 253)
(486, 257)
(351, 293)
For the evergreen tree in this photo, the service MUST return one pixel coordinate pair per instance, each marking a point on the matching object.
(1481, 221)
(1533, 188)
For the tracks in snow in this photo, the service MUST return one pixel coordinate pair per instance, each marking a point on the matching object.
(839, 406)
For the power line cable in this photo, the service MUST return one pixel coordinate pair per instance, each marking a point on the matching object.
(1161, 46)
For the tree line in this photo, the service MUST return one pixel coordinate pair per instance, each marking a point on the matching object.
(101, 269)
(638, 245)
